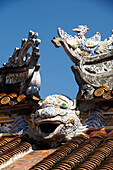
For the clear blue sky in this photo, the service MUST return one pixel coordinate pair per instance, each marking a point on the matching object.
(17, 17)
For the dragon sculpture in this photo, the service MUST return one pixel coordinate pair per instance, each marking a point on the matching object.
(56, 121)
(93, 72)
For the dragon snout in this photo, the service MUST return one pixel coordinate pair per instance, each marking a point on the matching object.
(56, 42)
(48, 112)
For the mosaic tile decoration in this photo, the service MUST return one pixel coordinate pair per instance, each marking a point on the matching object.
(100, 67)
(19, 124)
(13, 78)
(96, 118)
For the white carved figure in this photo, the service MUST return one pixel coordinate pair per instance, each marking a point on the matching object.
(55, 121)
(77, 46)
(81, 30)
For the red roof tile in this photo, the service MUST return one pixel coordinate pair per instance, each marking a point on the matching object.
(80, 153)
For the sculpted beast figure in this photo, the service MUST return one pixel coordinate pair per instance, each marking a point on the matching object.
(55, 120)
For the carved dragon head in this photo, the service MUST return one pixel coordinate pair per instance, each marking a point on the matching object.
(55, 121)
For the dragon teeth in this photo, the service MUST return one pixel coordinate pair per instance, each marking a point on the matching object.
(70, 125)
(43, 134)
(38, 130)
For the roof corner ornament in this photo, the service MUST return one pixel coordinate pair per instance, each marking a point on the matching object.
(21, 56)
(79, 46)
(21, 73)
(93, 59)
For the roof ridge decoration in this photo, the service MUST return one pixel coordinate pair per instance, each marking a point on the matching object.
(19, 73)
(19, 87)
(21, 56)
(78, 47)
(93, 60)
(93, 70)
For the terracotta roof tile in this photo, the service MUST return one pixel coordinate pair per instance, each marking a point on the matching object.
(11, 146)
(80, 153)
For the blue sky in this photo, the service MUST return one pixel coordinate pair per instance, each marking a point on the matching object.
(17, 17)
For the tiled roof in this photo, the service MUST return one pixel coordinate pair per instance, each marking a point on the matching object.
(29, 160)
(80, 153)
(12, 148)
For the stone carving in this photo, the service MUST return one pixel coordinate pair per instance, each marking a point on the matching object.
(56, 121)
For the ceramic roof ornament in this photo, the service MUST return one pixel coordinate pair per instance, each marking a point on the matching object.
(92, 57)
(90, 44)
(79, 46)
(21, 72)
(93, 70)
(19, 87)
(21, 56)
(56, 121)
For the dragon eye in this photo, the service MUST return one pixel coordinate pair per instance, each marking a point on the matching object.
(63, 105)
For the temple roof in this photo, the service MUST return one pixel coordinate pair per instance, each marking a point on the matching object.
(81, 152)
(19, 100)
